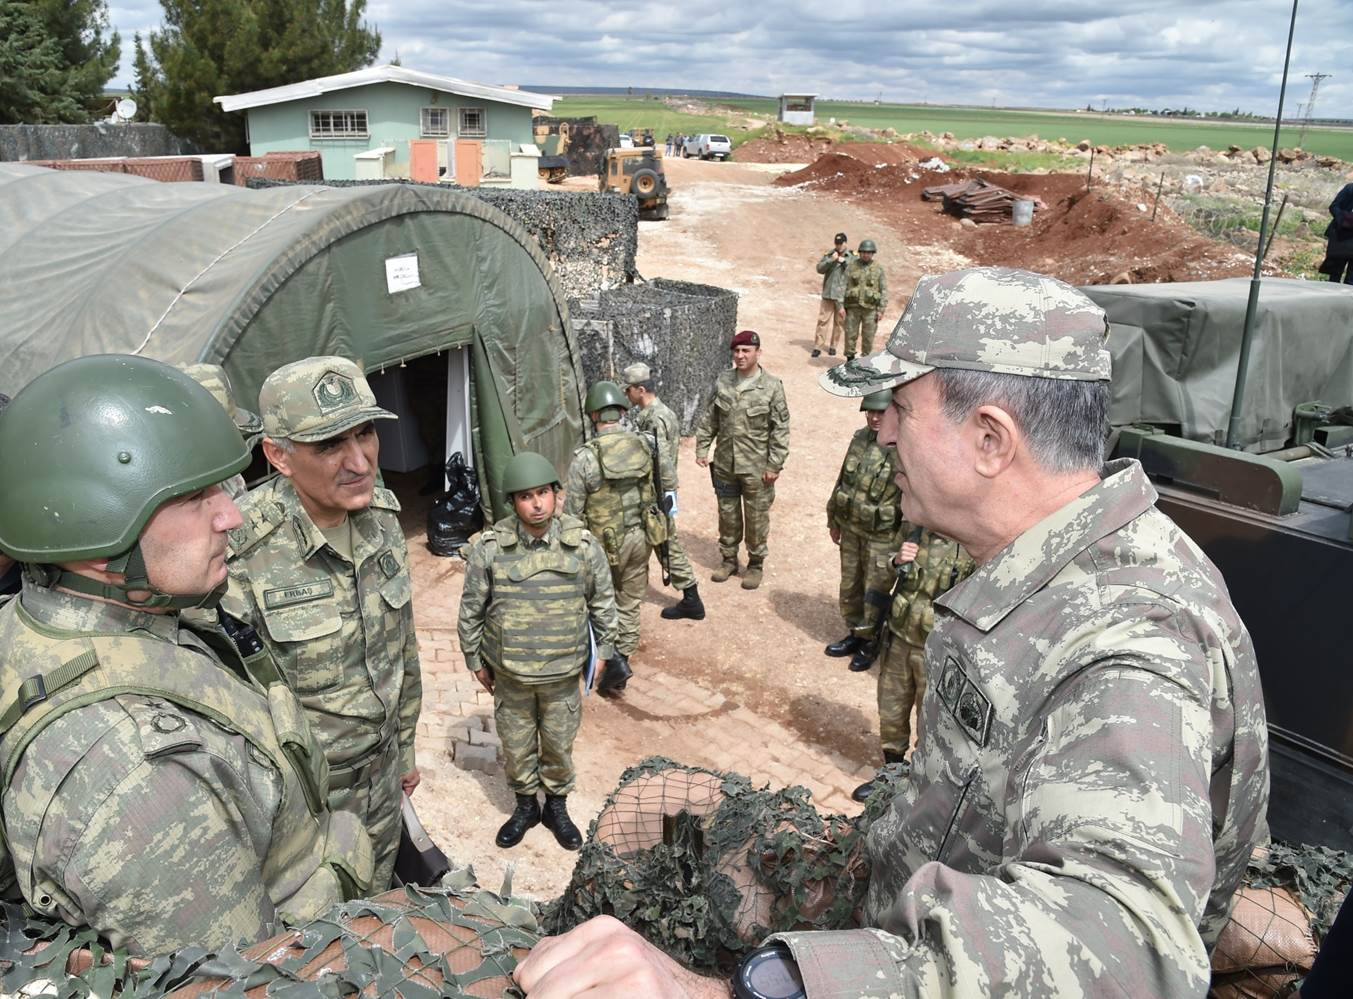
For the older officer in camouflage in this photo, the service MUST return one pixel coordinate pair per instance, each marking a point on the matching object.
(928, 566)
(321, 570)
(149, 792)
(865, 298)
(749, 419)
(610, 486)
(537, 606)
(1092, 772)
(865, 522)
(652, 416)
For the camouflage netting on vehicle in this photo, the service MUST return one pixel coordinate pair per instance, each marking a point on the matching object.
(705, 865)
(457, 941)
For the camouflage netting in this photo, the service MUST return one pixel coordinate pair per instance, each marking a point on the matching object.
(60, 142)
(704, 865)
(680, 329)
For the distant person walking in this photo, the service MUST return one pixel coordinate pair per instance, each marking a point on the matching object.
(1338, 262)
(831, 310)
(668, 151)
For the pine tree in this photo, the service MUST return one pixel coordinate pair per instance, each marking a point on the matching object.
(55, 58)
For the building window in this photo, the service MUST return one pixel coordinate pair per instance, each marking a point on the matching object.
(436, 123)
(338, 125)
(472, 123)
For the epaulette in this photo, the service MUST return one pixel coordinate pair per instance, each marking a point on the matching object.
(504, 532)
(572, 531)
(261, 518)
(384, 499)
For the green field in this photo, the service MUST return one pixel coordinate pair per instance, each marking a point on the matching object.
(965, 123)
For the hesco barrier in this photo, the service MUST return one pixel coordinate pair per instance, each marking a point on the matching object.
(680, 329)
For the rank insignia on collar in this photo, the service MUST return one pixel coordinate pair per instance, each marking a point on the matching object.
(970, 707)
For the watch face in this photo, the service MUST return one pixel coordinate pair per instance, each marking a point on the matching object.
(769, 973)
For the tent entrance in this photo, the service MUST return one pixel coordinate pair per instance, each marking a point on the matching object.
(431, 397)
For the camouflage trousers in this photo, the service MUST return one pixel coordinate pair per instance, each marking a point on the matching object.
(901, 687)
(537, 723)
(866, 564)
(629, 576)
(371, 790)
(828, 317)
(678, 563)
(744, 513)
(863, 323)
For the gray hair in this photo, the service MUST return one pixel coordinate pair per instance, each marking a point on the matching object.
(284, 444)
(1065, 421)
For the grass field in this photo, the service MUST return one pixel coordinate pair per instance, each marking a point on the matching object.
(966, 123)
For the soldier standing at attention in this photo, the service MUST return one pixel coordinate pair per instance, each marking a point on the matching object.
(865, 521)
(149, 792)
(321, 570)
(610, 486)
(749, 419)
(866, 296)
(652, 416)
(930, 566)
(537, 605)
(831, 309)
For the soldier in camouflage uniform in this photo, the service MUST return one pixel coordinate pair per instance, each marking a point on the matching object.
(1092, 772)
(749, 418)
(651, 415)
(610, 486)
(537, 609)
(865, 298)
(321, 570)
(865, 522)
(214, 379)
(929, 566)
(149, 792)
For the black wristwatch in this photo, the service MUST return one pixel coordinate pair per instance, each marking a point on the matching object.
(769, 972)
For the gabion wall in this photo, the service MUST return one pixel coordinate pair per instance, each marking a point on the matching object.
(81, 142)
(680, 329)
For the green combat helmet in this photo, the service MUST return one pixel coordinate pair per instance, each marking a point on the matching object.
(876, 402)
(527, 470)
(603, 396)
(867, 246)
(104, 441)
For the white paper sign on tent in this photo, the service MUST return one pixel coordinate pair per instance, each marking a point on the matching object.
(401, 273)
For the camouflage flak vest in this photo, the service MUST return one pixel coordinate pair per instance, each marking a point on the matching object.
(862, 285)
(866, 498)
(314, 857)
(536, 629)
(626, 486)
(940, 565)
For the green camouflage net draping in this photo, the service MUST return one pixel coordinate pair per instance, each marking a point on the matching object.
(457, 942)
(705, 865)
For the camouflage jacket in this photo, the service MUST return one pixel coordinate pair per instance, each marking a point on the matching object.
(612, 499)
(750, 423)
(834, 276)
(157, 801)
(659, 420)
(866, 498)
(481, 603)
(342, 635)
(1091, 778)
(940, 565)
(866, 287)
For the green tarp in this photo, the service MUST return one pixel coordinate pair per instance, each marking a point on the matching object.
(1176, 348)
(100, 262)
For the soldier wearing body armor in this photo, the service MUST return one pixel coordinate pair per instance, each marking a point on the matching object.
(536, 609)
(610, 485)
(866, 296)
(865, 520)
(652, 416)
(928, 566)
(321, 570)
(151, 790)
(214, 379)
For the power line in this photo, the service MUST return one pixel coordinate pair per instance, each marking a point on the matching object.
(1315, 79)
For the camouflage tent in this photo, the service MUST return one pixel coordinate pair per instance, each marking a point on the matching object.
(100, 262)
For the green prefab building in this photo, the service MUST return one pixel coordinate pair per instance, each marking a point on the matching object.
(448, 304)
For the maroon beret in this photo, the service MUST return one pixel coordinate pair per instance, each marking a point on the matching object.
(747, 337)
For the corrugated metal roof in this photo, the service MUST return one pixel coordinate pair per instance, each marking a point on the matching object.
(383, 74)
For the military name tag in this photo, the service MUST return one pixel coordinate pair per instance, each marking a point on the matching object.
(285, 596)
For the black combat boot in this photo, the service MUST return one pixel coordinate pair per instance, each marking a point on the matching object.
(845, 647)
(523, 817)
(690, 606)
(556, 820)
(615, 675)
(863, 657)
(863, 792)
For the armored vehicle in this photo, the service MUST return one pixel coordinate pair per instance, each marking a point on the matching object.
(638, 172)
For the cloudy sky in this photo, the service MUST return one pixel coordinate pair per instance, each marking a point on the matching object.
(1046, 53)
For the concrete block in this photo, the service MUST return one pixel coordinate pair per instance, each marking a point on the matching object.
(471, 757)
(478, 738)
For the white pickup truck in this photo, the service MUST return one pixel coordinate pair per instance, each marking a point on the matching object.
(708, 147)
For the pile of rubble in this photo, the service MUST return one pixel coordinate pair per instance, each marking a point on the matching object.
(978, 199)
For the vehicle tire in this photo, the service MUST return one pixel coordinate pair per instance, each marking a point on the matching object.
(645, 183)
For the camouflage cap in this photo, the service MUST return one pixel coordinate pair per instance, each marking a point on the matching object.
(317, 398)
(985, 319)
(636, 373)
(214, 379)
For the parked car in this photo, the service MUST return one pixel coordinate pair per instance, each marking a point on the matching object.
(708, 147)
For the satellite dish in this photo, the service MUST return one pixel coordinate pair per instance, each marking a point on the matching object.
(126, 109)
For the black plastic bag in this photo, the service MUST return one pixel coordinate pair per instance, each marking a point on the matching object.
(455, 515)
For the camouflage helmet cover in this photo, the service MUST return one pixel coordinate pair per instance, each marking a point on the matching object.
(867, 246)
(985, 319)
(604, 395)
(527, 470)
(214, 379)
(876, 402)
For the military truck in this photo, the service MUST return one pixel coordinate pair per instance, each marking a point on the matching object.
(638, 172)
(1274, 516)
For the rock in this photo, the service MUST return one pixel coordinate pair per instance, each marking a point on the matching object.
(1290, 155)
(1085, 145)
(947, 136)
(967, 224)
(1260, 154)
(1329, 162)
(1233, 150)
(1141, 208)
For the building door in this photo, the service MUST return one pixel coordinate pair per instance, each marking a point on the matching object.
(469, 162)
(423, 160)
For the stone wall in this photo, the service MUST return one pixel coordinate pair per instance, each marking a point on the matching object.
(78, 142)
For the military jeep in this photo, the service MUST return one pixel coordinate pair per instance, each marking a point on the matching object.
(638, 172)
